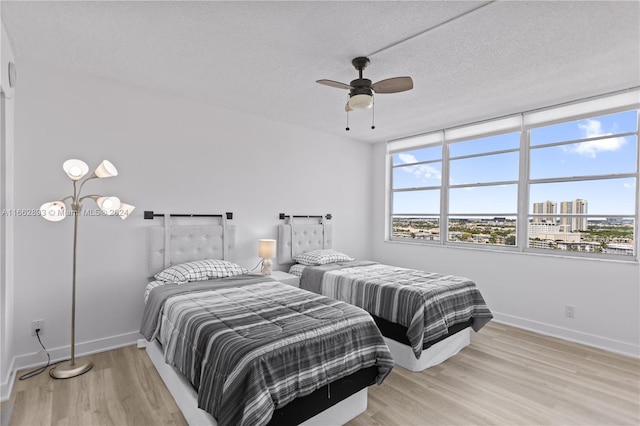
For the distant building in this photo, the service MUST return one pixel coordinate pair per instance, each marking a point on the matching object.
(586, 246)
(626, 249)
(573, 224)
(535, 229)
(566, 237)
(547, 207)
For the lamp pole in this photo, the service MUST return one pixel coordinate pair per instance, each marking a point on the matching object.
(76, 211)
(72, 369)
(55, 211)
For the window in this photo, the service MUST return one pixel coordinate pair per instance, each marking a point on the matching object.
(483, 191)
(557, 180)
(416, 186)
(583, 178)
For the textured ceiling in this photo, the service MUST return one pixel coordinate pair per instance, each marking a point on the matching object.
(469, 60)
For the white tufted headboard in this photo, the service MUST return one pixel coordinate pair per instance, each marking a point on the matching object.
(187, 243)
(297, 238)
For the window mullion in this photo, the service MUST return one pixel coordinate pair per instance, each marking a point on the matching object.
(481, 184)
(484, 154)
(389, 194)
(417, 188)
(444, 195)
(419, 163)
(583, 140)
(582, 178)
(522, 220)
(636, 249)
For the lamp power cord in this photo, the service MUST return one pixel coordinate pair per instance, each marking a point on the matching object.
(39, 370)
(257, 266)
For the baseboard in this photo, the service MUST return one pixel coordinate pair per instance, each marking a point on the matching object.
(33, 360)
(609, 345)
(7, 385)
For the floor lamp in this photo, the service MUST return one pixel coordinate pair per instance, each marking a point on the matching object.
(56, 211)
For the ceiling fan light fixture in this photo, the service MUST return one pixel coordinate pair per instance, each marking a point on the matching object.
(361, 101)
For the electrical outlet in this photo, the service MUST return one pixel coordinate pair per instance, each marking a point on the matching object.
(570, 311)
(37, 324)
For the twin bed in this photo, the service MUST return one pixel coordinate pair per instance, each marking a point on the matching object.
(236, 348)
(425, 317)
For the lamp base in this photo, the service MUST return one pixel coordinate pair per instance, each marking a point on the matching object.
(266, 267)
(68, 370)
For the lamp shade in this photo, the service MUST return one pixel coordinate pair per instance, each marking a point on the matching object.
(106, 169)
(125, 210)
(54, 211)
(75, 169)
(360, 101)
(267, 249)
(108, 205)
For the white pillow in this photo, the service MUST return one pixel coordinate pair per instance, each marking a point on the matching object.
(321, 257)
(200, 270)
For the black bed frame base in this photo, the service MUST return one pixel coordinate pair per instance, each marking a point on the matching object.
(398, 332)
(305, 407)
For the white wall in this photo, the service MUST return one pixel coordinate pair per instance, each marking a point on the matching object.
(526, 290)
(6, 222)
(173, 155)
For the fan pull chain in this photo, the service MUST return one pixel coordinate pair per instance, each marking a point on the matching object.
(347, 129)
(373, 114)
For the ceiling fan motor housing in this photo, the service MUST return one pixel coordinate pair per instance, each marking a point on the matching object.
(361, 86)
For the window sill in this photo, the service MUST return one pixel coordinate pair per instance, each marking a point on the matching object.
(515, 250)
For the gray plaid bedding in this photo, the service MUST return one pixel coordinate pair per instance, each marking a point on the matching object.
(425, 302)
(252, 349)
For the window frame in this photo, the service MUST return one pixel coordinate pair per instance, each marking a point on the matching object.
(528, 121)
(431, 140)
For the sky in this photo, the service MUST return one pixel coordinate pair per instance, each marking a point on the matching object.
(607, 155)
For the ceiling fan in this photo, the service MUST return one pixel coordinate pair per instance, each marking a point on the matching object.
(361, 90)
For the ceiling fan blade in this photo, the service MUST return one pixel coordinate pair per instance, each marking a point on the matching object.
(393, 85)
(334, 84)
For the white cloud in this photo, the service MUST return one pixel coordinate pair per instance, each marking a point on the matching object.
(407, 158)
(422, 172)
(592, 129)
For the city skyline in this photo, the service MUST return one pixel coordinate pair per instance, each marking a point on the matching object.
(604, 236)
(566, 224)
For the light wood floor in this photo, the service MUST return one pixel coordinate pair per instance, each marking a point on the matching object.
(122, 388)
(506, 376)
(509, 376)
